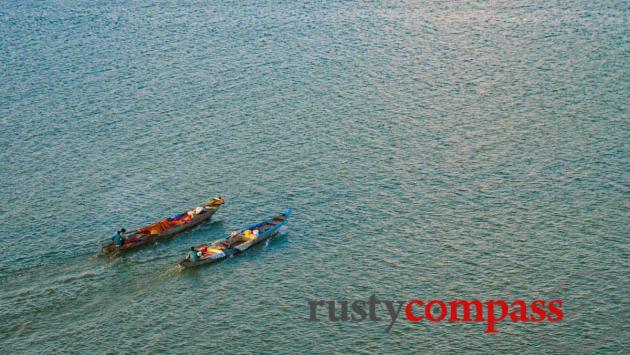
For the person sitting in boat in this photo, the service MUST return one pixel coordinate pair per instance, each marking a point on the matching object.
(192, 255)
(119, 238)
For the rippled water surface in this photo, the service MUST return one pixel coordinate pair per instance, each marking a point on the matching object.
(428, 149)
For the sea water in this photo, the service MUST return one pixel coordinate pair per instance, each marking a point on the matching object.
(428, 149)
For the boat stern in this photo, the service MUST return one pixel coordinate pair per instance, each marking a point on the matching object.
(183, 264)
(106, 247)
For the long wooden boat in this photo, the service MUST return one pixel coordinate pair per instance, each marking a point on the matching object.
(238, 242)
(164, 229)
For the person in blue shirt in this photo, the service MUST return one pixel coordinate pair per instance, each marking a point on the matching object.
(192, 255)
(119, 238)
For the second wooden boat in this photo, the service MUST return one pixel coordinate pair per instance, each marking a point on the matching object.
(236, 243)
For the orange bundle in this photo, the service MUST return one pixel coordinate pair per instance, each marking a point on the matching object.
(158, 227)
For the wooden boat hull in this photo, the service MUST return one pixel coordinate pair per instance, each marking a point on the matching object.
(111, 249)
(241, 247)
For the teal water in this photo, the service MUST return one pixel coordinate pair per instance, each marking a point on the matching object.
(431, 150)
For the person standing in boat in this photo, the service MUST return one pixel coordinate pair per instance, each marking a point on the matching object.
(192, 255)
(119, 238)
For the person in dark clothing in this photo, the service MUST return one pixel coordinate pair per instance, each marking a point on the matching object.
(119, 238)
(192, 255)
